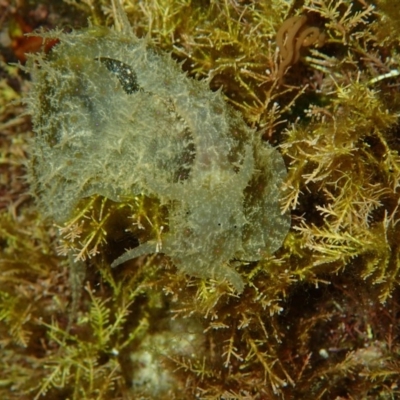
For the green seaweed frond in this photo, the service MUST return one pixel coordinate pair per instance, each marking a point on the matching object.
(87, 360)
(87, 233)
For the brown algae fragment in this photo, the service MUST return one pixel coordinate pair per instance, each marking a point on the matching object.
(114, 117)
(292, 36)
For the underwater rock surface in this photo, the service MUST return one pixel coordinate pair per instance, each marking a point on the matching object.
(115, 117)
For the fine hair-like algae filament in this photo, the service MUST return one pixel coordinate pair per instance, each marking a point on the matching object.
(292, 36)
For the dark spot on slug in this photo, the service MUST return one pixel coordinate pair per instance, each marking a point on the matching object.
(125, 74)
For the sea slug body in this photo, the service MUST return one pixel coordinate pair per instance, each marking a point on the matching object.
(115, 117)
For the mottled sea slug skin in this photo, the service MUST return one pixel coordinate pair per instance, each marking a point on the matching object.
(115, 117)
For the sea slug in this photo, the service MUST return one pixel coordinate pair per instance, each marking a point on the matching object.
(114, 116)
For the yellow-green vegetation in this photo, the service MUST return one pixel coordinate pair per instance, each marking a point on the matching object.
(317, 320)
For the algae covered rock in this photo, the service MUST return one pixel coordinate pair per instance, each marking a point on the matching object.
(115, 117)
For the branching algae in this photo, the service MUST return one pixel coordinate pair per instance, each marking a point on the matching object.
(117, 118)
